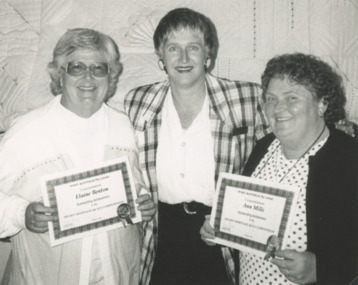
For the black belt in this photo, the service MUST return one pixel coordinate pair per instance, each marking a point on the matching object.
(189, 208)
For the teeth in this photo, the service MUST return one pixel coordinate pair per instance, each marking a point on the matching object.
(282, 119)
(87, 88)
(184, 68)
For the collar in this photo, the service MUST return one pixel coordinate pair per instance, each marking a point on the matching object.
(219, 102)
(217, 91)
(154, 101)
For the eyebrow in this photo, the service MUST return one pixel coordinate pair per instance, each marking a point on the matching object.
(189, 43)
(284, 93)
(289, 92)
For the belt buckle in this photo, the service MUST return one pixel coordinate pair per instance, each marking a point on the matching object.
(187, 210)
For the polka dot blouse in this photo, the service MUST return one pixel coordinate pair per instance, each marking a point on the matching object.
(276, 168)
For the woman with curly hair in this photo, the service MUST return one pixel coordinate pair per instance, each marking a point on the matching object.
(303, 99)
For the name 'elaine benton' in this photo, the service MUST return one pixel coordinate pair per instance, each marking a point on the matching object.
(83, 195)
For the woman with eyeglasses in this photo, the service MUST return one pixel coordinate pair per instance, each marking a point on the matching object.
(76, 129)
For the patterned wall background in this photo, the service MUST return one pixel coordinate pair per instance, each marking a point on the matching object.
(250, 32)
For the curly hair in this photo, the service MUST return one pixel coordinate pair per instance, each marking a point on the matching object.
(88, 39)
(187, 18)
(314, 74)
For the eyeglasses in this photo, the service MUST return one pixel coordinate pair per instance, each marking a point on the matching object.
(77, 68)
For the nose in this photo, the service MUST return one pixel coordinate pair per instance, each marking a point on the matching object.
(184, 56)
(87, 73)
(280, 106)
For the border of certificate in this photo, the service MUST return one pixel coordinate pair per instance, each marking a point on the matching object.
(239, 181)
(121, 164)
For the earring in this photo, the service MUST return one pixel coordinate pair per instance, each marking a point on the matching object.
(207, 63)
(161, 64)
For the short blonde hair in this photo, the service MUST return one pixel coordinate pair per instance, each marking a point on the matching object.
(88, 39)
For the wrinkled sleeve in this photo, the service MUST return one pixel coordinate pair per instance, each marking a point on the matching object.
(12, 207)
(12, 214)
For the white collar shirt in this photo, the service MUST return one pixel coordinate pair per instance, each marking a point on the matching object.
(185, 158)
(86, 137)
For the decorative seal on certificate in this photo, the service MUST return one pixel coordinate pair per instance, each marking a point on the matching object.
(124, 211)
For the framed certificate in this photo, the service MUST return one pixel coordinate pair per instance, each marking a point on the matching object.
(248, 213)
(86, 200)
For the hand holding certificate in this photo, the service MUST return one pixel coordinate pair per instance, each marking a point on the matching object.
(252, 215)
(86, 200)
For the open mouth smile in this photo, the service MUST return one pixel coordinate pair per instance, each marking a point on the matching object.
(283, 119)
(87, 88)
(184, 69)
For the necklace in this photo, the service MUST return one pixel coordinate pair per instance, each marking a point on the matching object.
(297, 161)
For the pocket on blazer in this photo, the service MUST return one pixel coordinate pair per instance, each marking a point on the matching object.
(238, 131)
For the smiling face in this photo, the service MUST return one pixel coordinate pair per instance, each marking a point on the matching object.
(184, 55)
(293, 112)
(85, 94)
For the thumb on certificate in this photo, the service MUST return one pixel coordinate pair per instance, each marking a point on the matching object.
(287, 254)
(144, 195)
(207, 232)
(146, 204)
(141, 190)
(37, 217)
